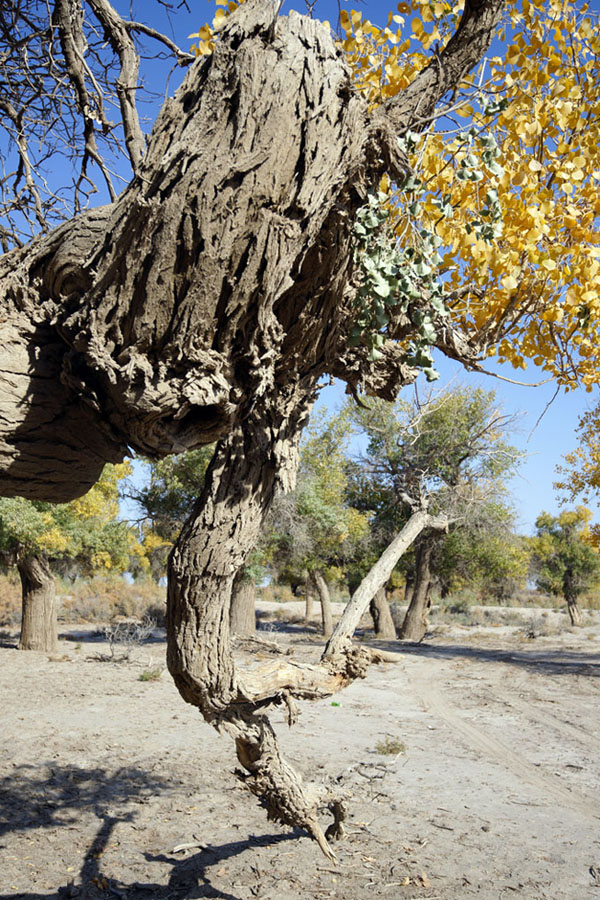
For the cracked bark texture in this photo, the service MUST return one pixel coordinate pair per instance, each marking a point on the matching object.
(203, 305)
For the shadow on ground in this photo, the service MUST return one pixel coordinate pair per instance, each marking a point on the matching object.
(547, 661)
(52, 798)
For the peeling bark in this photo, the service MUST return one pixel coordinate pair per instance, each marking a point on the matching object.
(574, 611)
(38, 625)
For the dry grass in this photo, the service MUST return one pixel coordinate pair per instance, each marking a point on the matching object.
(100, 599)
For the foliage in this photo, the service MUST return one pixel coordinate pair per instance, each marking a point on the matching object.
(566, 563)
(172, 487)
(315, 528)
(495, 225)
(485, 554)
(580, 476)
(450, 455)
(84, 535)
(511, 195)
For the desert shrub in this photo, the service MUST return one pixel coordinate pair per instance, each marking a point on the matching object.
(590, 601)
(277, 593)
(539, 626)
(125, 637)
(150, 675)
(390, 746)
(103, 599)
(10, 599)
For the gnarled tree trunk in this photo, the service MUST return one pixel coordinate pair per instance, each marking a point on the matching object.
(38, 625)
(242, 614)
(383, 624)
(414, 625)
(325, 600)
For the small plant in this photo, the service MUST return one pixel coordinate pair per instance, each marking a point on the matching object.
(150, 675)
(390, 746)
(127, 636)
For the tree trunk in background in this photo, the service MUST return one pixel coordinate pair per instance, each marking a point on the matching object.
(383, 623)
(574, 611)
(242, 614)
(308, 598)
(415, 621)
(38, 627)
(409, 588)
(324, 597)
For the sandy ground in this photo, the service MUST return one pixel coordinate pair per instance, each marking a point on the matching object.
(494, 791)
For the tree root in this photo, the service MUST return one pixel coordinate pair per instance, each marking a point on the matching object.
(277, 785)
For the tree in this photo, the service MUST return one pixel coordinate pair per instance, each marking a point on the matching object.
(446, 456)
(484, 554)
(316, 531)
(565, 562)
(85, 534)
(205, 302)
(168, 493)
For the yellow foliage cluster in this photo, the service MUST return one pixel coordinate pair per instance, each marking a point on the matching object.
(534, 292)
(102, 500)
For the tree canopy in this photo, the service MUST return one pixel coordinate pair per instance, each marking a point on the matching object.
(86, 534)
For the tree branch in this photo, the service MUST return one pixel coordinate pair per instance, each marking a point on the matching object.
(121, 42)
(464, 50)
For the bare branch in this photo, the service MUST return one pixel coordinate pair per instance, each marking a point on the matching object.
(121, 42)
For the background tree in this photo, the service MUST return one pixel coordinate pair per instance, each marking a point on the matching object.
(566, 564)
(315, 530)
(447, 455)
(485, 555)
(208, 299)
(86, 535)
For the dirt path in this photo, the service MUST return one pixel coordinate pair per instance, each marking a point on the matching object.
(111, 787)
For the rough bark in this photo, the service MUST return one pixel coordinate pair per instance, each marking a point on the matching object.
(260, 457)
(38, 625)
(242, 614)
(409, 588)
(383, 624)
(325, 601)
(220, 271)
(414, 625)
(574, 611)
(223, 269)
